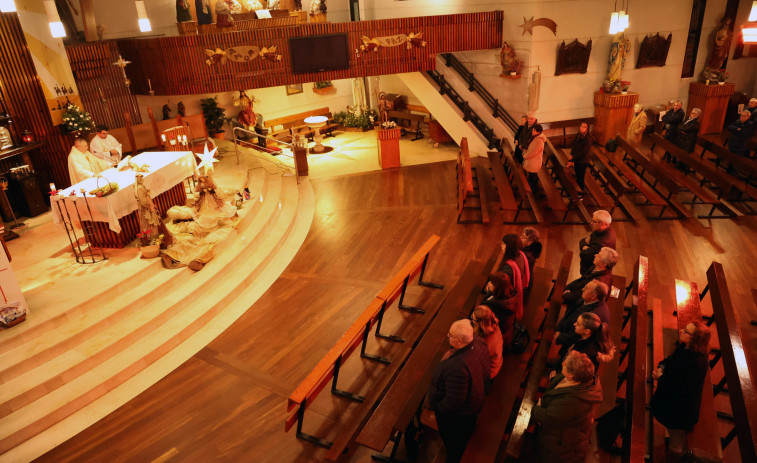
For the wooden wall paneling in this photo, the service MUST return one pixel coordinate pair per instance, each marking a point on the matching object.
(22, 91)
(176, 65)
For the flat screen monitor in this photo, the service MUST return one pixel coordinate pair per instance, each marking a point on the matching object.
(319, 53)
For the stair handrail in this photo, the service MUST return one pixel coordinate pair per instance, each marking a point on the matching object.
(278, 164)
(475, 86)
(468, 113)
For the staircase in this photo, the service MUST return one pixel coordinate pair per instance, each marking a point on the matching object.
(67, 367)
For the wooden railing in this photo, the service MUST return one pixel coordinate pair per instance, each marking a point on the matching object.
(177, 65)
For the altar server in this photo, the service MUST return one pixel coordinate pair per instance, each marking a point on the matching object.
(105, 146)
(82, 164)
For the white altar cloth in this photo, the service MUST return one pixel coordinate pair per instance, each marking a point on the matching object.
(167, 169)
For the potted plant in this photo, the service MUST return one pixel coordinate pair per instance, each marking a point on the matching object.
(323, 86)
(149, 245)
(624, 85)
(352, 121)
(215, 116)
(76, 121)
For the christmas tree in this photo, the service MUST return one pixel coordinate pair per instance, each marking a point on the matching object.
(77, 121)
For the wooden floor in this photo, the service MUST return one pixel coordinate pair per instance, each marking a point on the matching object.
(228, 402)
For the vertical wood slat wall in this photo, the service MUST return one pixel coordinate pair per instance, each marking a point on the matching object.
(22, 91)
(94, 72)
(176, 65)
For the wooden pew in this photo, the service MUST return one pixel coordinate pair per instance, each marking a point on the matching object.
(634, 439)
(404, 397)
(709, 173)
(284, 128)
(658, 354)
(515, 442)
(411, 119)
(605, 179)
(565, 124)
(468, 189)
(652, 198)
(327, 370)
(518, 177)
(557, 159)
(704, 439)
(673, 181)
(748, 166)
(501, 183)
(608, 373)
(741, 388)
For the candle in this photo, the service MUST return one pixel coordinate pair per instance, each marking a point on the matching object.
(52, 187)
(150, 84)
(163, 137)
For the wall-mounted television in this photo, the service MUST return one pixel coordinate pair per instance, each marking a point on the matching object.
(319, 53)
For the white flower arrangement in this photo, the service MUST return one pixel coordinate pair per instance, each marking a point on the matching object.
(389, 124)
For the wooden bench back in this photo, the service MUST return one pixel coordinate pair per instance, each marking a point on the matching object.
(741, 388)
(196, 124)
(650, 166)
(176, 138)
(296, 117)
(567, 123)
(724, 154)
(636, 392)
(464, 175)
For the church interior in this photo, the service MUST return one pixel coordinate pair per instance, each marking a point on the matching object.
(241, 230)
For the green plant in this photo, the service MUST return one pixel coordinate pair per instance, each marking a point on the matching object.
(323, 84)
(350, 119)
(215, 116)
(77, 121)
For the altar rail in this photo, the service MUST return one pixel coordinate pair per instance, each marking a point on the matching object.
(176, 65)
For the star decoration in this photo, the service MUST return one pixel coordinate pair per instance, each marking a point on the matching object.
(207, 159)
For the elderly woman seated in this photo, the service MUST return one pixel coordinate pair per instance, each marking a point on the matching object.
(565, 412)
(604, 261)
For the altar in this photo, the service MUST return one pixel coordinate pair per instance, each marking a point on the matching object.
(113, 218)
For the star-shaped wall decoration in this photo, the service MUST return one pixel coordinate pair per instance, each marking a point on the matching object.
(207, 159)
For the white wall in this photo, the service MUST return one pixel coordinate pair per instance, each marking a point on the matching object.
(274, 102)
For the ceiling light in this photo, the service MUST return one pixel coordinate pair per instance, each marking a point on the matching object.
(56, 26)
(144, 22)
(7, 6)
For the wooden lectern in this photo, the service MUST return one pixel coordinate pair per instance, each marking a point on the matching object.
(713, 101)
(613, 113)
(389, 147)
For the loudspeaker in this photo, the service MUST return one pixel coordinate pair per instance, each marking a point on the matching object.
(25, 195)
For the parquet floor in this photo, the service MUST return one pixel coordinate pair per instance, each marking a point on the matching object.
(227, 403)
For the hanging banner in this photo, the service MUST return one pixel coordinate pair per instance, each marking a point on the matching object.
(241, 54)
(373, 44)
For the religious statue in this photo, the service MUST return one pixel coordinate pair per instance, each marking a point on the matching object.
(720, 48)
(510, 64)
(181, 109)
(166, 112)
(147, 213)
(297, 5)
(204, 16)
(620, 46)
(246, 116)
(100, 30)
(384, 106)
(182, 11)
(235, 7)
(223, 14)
(253, 5)
(317, 7)
(273, 5)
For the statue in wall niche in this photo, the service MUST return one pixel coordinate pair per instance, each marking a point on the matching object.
(720, 48)
(223, 14)
(618, 50)
(166, 112)
(317, 7)
(510, 64)
(204, 15)
(181, 109)
(182, 11)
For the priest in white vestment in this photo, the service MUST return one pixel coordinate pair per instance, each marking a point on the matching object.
(82, 164)
(105, 146)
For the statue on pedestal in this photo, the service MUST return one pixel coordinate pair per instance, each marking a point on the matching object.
(204, 16)
(223, 14)
(166, 112)
(182, 11)
(618, 50)
(510, 64)
(384, 106)
(720, 48)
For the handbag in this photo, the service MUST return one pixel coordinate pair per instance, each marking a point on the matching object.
(521, 338)
(611, 145)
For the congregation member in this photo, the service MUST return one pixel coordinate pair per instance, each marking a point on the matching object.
(566, 411)
(741, 131)
(105, 146)
(515, 264)
(517, 151)
(529, 238)
(593, 296)
(752, 107)
(579, 153)
(601, 236)
(604, 261)
(82, 164)
(594, 339)
(459, 385)
(524, 137)
(672, 119)
(638, 125)
(502, 298)
(680, 381)
(486, 326)
(533, 157)
(688, 130)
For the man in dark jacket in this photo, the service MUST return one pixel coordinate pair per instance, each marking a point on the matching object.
(593, 296)
(688, 130)
(672, 119)
(580, 153)
(741, 132)
(458, 387)
(604, 261)
(602, 236)
(524, 136)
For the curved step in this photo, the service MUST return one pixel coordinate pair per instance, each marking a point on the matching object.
(126, 365)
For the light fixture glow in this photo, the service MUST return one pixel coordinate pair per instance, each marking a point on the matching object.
(614, 23)
(144, 22)
(56, 26)
(622, 21)
(749, 33)
(753, 13)
(7, 6)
